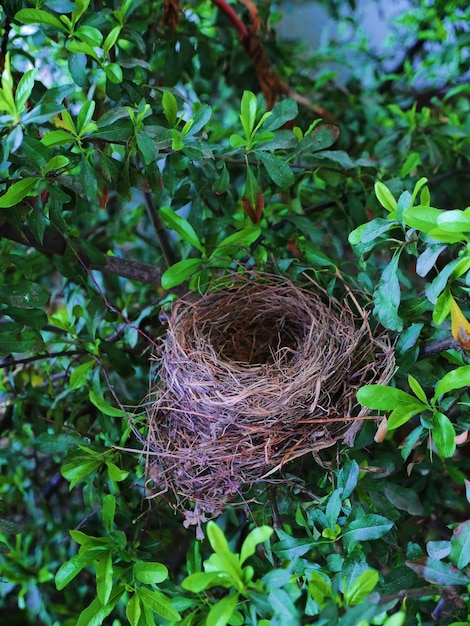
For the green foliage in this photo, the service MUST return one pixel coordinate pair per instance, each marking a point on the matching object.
(138, 161)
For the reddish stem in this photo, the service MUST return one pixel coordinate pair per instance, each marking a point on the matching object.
(242, 30)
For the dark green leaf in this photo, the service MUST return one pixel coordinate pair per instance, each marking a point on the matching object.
(438, 573)
(387, 297)
(26, 295)
(460, 545)
(278, 170)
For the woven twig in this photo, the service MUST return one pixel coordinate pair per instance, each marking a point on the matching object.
(252, 375)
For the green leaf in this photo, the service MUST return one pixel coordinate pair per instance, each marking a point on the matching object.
(96, 613)
(385, 197)
(348, 477)
(255, 537)
(104, 407)
(278, 170)
(371, 231)
(319, 588)
(179, 272)
(387, 297)
(454, 221)
(236, 241)
(422, 217)
(401, 415)
(158, 603)
(456, 379)
(222, 611)
(80, 7)
(170, 108)
(181, 226)
(205, 580)
(113, 73)
(133, 610)
(403, 498)
(79, 375)
(90, 35)
(249, 107)
(38, 16)
(383, 398)
(366, 528)
(25, 295)
(85, 115)
(75, 472)
(24, 89)
(71, 568)
(104, 577)
(16, 192)
(443, 434)
(283, 112)
(321, 137)
(438, 573)
(411, 163)
(111, 40)
(149, 572)
(109, 510)
(56, 163)
(364, 584)
(116, 473)
(57, 138)
(417, 389)
(460, 545)
(15, 338)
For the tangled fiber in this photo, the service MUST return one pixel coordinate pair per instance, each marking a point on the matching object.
(253, 374)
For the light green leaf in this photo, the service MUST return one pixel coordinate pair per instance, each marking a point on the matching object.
(443, 434)
(181, 226)
(456, 379)
(170, 108)
(96, 613)
(222, 611)
(205, 580)
(236, 241)
(18, 191)
(56, 163)
(364, 584)
(76, 472)
(179, 272)
(411, 162)
(385, 196)
(255, 537)
(24, 89)
(158, 603)
(422, 217)
(111, 40)
(85, 115)
(104, 577)
(417, 389)
(113, 72)
(109, 510)
(38, 16)
(149, 572)
(79, 375)
(454, 221)
(401, 415)
(249, 107)
(116, 473)
(383, 398)
(57, 138)
(104, 407)
(133, 610)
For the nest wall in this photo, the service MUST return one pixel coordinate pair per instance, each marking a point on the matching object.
(251, 375)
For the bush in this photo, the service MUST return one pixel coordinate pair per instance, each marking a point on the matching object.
(148, 147)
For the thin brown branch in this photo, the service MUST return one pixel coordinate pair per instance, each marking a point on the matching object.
(56, 243)
(160, 230)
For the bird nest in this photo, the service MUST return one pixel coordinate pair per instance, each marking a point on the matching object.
(251, 375)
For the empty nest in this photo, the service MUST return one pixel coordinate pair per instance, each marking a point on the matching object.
(251, 375)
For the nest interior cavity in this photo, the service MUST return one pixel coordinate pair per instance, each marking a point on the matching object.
(251, 375)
